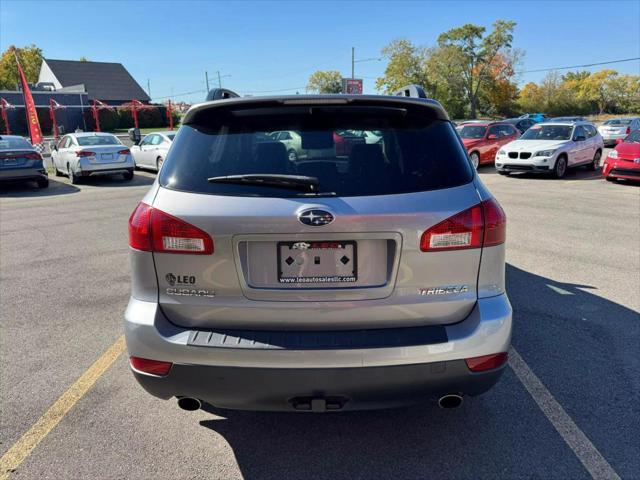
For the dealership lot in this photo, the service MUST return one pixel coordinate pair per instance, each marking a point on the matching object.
(573, 278)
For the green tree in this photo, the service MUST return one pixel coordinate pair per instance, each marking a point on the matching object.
(406, 66)
(597, 88)
(477, 52)
(327, 81)
(83, 59)
(30, 60)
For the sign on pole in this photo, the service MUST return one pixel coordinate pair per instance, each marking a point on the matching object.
(352, 86)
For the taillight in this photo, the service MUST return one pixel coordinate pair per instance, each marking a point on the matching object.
(153, 230)
(126, 151)
(486, 362)
(33, 156)
(481, 225)
(85, 153)
(495, 223)
(154, 367)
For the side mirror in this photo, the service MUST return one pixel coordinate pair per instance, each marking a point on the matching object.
(492, 136)
(134, 135)
(579, 138)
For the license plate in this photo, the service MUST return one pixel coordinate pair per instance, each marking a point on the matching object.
(317, 262)
(107, 156)
(10, 162)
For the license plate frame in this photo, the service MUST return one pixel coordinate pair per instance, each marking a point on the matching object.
(309, 251)
(107, 157)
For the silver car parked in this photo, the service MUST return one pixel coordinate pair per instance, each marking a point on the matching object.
(152, 150)
(617, 129)
(346, 281)
(83, 155)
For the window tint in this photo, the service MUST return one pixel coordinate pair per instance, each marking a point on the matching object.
(95, 140)
(579, 132)
(591, 131)
(547, 132)
(11, 143)
(414, 153)
(473, 131)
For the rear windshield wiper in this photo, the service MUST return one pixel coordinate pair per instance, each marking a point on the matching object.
(291, 182)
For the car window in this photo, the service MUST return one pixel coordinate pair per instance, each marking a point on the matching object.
(541, 131)
(156, 140)
(13, 143)
(96, 140)
(415, 153)
(495, 130)
(618, 122)
(633, 137)
(147, 140)
(285, 136)
(473, 131)
(67, 142)
(171, 136)
(591, 130)
(579, 132)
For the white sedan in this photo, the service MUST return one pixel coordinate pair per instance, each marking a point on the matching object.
(82, 155)
(152, 150)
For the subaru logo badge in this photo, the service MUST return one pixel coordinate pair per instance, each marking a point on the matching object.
(315, 218)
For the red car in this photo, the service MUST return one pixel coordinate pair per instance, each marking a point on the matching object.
(624, 160)
(483, 140)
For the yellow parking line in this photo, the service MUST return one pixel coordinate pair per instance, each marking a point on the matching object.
(25, 445)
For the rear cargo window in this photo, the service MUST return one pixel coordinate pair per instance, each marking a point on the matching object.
(350, 151)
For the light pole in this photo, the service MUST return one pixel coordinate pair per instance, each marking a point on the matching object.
(354, 61)
(220, 77)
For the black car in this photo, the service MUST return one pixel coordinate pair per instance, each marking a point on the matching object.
(522, 124)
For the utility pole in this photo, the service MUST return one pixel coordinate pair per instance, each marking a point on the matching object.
(219, 80)
(206, 79)
(353, 62)
(149, 88)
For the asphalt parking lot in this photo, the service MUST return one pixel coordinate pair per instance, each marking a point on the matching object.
(573, 277)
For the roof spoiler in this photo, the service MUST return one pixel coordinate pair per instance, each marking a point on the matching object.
(415, 91)
(221, 94)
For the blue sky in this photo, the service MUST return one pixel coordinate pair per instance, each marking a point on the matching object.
(266, 46)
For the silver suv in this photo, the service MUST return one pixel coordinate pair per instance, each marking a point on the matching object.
(335, 282)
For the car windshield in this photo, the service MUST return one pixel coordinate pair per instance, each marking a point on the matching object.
(634, 137)
(473, 131)
(414, 153)
(13, 143)
(548, 132)
(95, 140)
(618, 122)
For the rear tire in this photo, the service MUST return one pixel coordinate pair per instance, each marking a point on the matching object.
(475, 159)
(73, 178)
(506, 174)
(57, 172)
(128, 176)
(593, 166)
(43, 182)
(159, 162)
(293, 156)
(560, 168)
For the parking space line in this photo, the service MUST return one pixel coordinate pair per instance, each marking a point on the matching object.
(25, 445)
(582, 447)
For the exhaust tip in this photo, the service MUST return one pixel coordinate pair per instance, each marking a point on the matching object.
(450, 401)
(189, 404)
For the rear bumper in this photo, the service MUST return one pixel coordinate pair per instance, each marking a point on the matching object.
(23, 174)
(258, 377)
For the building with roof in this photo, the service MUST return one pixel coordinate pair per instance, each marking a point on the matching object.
(108, 82)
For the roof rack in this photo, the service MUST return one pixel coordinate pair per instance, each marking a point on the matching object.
(221, 94)
(415, 91)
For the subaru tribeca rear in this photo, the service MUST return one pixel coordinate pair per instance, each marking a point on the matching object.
(369, 278)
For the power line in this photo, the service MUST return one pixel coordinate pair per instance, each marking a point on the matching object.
(179, 94)
(580, 66)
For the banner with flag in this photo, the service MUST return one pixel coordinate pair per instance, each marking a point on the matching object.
(32, 115)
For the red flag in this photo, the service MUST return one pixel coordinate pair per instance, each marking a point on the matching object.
(30, 107)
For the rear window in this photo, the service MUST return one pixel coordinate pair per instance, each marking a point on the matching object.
(13, 143)
(97, 140)
(620, 121)
(351, 151)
